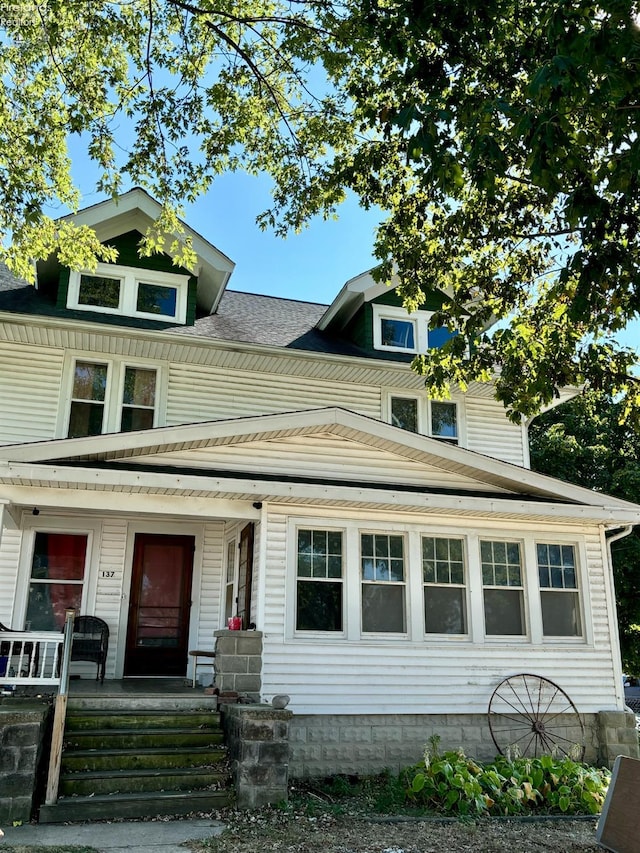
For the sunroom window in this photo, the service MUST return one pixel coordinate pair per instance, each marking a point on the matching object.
(383, 583)
(319, 583)
(443, 576)
(503, 590)
(557, 574)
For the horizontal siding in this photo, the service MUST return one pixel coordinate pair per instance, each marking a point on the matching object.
(110, 582)
(9, 558)
(30, 381)
(203, 394)
(209, 593)
(427, 678)
(404, 676)
(489, 431)
(323, 456)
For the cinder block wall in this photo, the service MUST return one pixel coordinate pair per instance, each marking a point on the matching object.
(359, 745)
(23, 728)
(238, 662)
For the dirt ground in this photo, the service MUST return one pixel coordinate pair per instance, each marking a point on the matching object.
(273, 832)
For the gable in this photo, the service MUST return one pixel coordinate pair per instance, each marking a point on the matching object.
(321, 456)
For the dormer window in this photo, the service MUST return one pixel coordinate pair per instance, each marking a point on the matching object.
(130, 292)
(397, 331)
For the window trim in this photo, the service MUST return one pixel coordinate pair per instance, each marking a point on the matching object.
(416, 635)
(114, 392)
(52, 524)
(585, 622)
(131, 278)
(420, 320)
(404, 584)
(424, 413)
(499, 537)
(294, 525)
(466, 634)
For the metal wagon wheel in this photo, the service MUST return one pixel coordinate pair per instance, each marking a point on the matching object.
(527, 717)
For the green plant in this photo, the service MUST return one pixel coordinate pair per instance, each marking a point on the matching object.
(452, 783)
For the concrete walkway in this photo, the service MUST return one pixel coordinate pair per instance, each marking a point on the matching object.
(131, 836)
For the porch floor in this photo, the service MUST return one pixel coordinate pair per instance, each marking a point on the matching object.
(132, 687)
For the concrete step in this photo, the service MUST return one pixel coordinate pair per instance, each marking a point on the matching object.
(74, 761)
(158, 804)
(78, 720)
(138, 781)
(152, 702)
(133, 739)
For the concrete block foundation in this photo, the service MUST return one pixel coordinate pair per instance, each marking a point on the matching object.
(23, 729)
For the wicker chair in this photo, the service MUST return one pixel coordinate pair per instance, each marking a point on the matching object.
(91, 642)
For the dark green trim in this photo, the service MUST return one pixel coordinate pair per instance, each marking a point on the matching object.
(63, 287)
(191, 301)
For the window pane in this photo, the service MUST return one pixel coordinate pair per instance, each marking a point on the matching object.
(139, 387)
(556, 566)
(383, 608)
(503, 612)
(444, 420)
(57, 571)
(100, 291)
(135, 419)
(404, 413)
(157, 299)
(138, 399)
(59, 556)
(48, 602)
(444, 610)
(398, 333)
(85, 419)
(319, 606)
(89, 381)
(560, 614)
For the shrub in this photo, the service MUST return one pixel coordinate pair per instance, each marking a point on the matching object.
(452, 783)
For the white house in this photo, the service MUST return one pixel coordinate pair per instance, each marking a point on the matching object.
(174, 453)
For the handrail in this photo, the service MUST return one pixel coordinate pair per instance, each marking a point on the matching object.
(60, 712)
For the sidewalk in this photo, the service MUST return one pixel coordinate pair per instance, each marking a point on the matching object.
(155, 836)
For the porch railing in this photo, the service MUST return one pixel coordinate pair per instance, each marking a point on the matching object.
(30, 658)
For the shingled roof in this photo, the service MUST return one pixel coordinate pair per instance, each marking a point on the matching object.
(241, 317)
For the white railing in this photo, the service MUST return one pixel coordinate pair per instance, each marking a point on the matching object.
(30, 658)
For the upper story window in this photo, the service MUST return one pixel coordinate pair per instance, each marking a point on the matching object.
(130, 292)
(424, 416)
(397, 331)
(111, 396)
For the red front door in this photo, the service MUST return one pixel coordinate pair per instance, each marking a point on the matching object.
(158, 628)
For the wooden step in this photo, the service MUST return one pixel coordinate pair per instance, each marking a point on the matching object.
(157, 804)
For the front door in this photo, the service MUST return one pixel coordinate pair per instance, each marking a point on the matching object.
(158, 628)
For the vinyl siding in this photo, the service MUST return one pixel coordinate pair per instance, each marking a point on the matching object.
(30, 381)
(489, 431)
(9, 557)
(210, 591)
(206, 393)
(432, 676)
(324, 456)
(109, 590)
